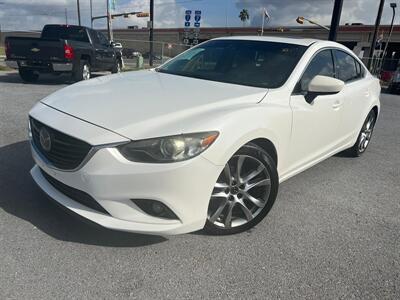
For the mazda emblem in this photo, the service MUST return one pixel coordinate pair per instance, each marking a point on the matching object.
(45, 139)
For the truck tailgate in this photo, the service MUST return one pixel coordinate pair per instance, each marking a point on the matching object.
(35, 49)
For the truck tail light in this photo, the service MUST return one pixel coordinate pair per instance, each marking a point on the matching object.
(8, 49)
(68, 52)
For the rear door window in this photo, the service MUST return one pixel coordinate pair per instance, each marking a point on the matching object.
(74, 33)
(346, 66)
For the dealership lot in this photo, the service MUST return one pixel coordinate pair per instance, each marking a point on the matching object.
(334, 231)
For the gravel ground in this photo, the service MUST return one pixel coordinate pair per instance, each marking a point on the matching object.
(334, 231)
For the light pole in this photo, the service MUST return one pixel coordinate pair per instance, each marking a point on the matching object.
(264, 15)
(79, 12)
(0, 26)
(393, 6)
(301, 20)
(109, 29)
(66, 16)
(337, 11)
(91, 13)
(377, 22)
(151, 37)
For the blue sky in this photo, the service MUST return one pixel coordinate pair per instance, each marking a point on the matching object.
(33, 14)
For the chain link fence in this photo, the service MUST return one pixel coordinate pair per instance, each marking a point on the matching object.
(382, 68)
(133, 51)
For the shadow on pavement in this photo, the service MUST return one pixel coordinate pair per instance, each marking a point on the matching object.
(44, 79)
(22, 198)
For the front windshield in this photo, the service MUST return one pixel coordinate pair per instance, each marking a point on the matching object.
(252, 63)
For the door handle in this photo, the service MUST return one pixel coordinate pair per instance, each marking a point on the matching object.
(337, 104)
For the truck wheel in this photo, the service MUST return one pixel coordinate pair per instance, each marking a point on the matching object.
(117, 67)
(28, 75)
(83, 71)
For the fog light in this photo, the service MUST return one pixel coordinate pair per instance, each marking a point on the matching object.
(155, 208)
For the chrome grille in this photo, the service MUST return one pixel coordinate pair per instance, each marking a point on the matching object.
(65, 152)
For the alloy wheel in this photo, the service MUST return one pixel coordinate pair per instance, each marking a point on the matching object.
(366, 133)
(86, 72)
(241, 192)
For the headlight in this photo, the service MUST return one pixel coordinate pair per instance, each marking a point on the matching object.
(168, 149)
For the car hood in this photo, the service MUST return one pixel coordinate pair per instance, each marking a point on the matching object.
(133, 103)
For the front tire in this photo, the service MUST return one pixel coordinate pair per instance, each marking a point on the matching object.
(117, 67)
(365, 135)
(28, 75)
(244, 192)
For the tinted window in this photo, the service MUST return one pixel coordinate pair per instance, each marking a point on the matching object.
(94, 37)
(345, 66)
(103, 40)
(64, 32)
(252, 63)
(321, 64)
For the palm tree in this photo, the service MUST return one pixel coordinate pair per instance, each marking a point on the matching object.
(244, 16)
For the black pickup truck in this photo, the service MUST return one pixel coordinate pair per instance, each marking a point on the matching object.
(62, 49)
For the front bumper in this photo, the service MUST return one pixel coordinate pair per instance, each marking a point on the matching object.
(184, 187)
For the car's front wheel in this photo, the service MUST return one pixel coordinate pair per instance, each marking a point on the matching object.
(244, 192)
(117, 67)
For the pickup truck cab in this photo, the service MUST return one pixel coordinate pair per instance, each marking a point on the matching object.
(63, 49)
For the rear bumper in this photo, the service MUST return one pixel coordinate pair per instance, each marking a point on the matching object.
(13, 64)
(42, 66)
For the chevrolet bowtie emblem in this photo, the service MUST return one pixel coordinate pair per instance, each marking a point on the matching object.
(35, 49)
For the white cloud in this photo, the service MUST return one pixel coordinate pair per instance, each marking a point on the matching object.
(31, 15)
(284, 12)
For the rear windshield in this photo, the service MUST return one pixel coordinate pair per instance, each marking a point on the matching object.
(252, 63)
(56, 32)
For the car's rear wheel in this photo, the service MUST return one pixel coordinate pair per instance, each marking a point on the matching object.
(364, 136)
(28, 75)
(83, 71)
(244, 192)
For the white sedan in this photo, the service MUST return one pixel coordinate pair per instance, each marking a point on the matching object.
(204, 140)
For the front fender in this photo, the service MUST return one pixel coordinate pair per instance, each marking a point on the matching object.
(238, 127)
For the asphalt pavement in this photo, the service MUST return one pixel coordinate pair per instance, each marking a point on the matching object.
(333, 233)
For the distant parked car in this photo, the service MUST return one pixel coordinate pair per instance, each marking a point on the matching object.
(130, 53)
(117, 45)
(76, 50)
(155, 57)
(394, 86)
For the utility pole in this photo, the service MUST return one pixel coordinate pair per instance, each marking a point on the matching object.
(337, 11)
(393, 5)
(151, 38)
(109, 30)
(91, 13)
(79, 12)
(377, 23)
(66, 16)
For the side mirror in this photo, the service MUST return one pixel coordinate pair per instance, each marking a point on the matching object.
(323, 85)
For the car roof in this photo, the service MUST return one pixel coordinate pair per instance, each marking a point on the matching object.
(266, 38)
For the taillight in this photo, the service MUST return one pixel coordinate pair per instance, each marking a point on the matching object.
(8, 49)
(68, 52)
